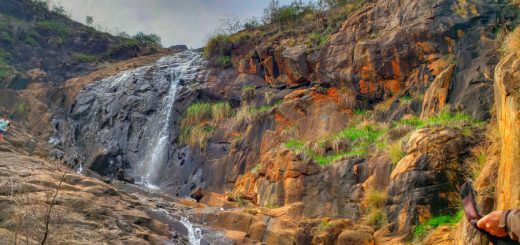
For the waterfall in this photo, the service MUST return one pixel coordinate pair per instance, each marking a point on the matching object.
(179, 67)
(194, 233)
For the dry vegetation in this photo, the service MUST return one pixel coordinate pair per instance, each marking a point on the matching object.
(37, 216)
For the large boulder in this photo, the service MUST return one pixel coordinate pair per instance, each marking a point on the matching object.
(425, 182)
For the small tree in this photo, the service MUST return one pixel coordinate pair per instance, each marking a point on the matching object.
(251, 23)
(89, 20)
(59, 10)
(230, 24)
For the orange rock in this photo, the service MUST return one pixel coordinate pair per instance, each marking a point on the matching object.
(437, 94)
(507, 100)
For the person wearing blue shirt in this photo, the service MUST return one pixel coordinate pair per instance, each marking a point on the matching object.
(5, 125)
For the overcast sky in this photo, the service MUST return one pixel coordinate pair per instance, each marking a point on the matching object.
(187, 22)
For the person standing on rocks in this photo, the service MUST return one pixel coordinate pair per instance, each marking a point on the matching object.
(5, 125)
(502, 223)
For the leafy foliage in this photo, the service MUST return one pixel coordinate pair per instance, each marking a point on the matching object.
(151, 40)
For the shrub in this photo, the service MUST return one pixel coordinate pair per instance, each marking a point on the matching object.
(56, 27)
(287, 14)
(122, 47)
(318, 40)
(223, 61)
(251, 23)
(85, 58)
(434, 222)
(222, 44)
(151, 40)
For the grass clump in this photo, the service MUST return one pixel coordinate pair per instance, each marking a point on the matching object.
(294, 144)
(434, 222)
(351, 141)
(247, 113)
(247, 88)
(199, 121)
(54, 26)
(375, 201)
(396, 151)
(443, 118)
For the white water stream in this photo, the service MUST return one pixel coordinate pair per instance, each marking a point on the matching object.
(182, 66)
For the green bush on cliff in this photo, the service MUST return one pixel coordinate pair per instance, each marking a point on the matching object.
(85, 58)
(55, 27)
(223, 44)
(434, 222)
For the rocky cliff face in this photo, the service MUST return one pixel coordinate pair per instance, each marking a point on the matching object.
(362, 141)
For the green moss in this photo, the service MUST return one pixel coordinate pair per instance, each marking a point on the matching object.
(434, 222)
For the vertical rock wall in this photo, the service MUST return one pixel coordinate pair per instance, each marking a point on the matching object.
(507, 100)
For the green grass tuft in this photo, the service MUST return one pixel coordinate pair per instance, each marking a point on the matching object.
(199, 121)
(434, 222)
(396, 151)
(294, 144)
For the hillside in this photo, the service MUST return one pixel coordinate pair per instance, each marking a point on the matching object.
(42, 45)
(351, 124)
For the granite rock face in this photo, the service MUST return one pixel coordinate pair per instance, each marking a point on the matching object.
(112, 122)
(389, 46)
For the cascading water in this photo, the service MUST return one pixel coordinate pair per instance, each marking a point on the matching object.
(179, 67)
(194, 233)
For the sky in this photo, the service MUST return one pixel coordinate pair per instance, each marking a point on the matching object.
(188, 22)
